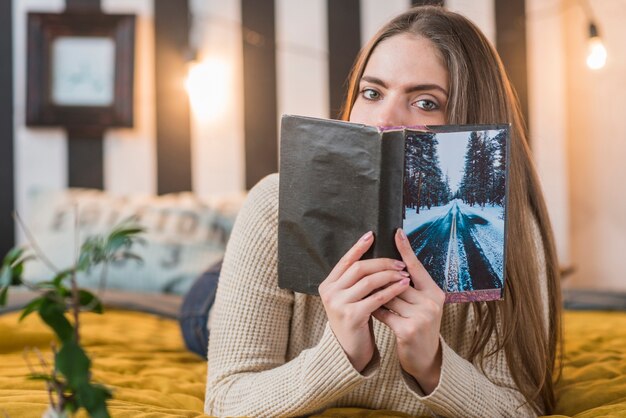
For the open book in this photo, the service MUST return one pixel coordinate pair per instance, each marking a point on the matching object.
(446, 186)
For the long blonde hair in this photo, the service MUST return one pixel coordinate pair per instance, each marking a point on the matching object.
(480, 92)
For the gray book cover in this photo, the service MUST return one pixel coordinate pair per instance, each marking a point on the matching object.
(446, 186)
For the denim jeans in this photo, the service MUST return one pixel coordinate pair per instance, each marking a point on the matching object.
(194, 312)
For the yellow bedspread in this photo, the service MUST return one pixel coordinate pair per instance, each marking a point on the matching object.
(142, 358)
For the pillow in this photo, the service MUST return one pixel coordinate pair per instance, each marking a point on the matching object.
(184, 234)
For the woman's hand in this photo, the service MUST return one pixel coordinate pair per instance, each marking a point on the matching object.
(415, 318)
(353, 290)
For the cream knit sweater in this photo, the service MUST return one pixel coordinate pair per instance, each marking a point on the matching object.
(272, 352)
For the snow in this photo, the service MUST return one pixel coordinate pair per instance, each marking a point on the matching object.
(491, 213)
(415, 220)
(465, 281)
(489, 236)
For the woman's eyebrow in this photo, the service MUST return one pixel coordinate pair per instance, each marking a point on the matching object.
(374, 80)
(418, 87)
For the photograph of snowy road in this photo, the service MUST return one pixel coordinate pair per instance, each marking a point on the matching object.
(454, 209)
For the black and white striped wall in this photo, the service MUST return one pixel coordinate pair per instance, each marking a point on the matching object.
(283, 56)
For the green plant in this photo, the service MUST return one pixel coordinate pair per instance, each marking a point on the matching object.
(59, 303)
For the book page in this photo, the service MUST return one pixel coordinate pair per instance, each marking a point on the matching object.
(454, 213)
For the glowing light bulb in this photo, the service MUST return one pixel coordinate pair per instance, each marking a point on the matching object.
(208, 84)
(597, 54)
(596, 57)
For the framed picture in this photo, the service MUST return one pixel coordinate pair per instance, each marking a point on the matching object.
(80, 70)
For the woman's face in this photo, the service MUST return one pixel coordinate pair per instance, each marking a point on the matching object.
(405, 83)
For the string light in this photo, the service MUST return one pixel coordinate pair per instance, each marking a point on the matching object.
(208, 85)
(596, 57)
(209, 80)
(596, 52)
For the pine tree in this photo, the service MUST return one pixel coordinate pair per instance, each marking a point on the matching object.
(486, 162)
(499, 188)
(447, 191)
(470, 181)
(424, 185)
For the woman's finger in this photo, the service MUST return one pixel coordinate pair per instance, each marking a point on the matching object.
(370, 283)
(353, 255)
(401, 307)
(382, 296)
(421, 278)
(360, 269)
(411, 295)
(392, 320)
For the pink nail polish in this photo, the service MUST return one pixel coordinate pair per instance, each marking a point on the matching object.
(367, 236)
(399, 265)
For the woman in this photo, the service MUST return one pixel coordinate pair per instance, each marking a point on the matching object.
(273, 352)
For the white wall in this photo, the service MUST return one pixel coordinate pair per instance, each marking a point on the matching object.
(130, 154)
(40, 156)
(596, 109)
(218, 138)
(375, 13)
(481, 12)
(547, 113)
(302, 58)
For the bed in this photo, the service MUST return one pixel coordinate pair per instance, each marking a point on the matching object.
(153, 375)
(137, 347)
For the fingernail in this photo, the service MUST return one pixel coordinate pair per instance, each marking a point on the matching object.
(367, 236)
(399, 265)
(404, 274)
(401, 234)
(404, 281)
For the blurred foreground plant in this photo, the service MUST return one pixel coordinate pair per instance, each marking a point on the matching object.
(68, 380)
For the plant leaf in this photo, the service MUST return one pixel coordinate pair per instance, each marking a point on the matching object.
(53, 313)
(3, 295)
(122, 236)
(93, 398)
(130, 256)
(91, 253)
(14, 254)
(13, 267)
(6, 276)
(62, 275)
(33, 305)
(18, 269)
(90, 300)
(40, 376)
(115, 242)
(74, 364)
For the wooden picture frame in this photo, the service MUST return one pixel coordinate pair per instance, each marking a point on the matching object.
(80, 70)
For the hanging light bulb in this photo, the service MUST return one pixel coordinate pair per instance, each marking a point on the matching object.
(208, 84)
(596, 57)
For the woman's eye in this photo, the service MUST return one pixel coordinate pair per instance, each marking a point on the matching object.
(370, 94)
(426, 104)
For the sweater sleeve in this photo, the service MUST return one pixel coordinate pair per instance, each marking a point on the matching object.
(465, 390)
(247, 369)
